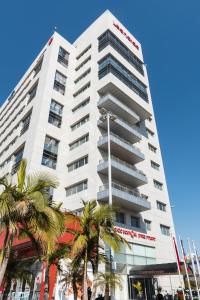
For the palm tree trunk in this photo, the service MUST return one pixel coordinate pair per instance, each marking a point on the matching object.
(74, 287)
(94, 289)
(7, 290)
(4, 265)
(107, 292)
(85, 294)
(95, 270)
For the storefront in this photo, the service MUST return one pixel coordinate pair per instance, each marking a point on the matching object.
(142, 280)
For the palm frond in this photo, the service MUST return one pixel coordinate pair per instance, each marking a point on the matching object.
(21, 175)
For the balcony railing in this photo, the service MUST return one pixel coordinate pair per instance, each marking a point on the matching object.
(128, 124)
(121, 188)
(121, 140)
(122, 162)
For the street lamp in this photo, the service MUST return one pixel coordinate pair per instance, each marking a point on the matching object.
(106, 115)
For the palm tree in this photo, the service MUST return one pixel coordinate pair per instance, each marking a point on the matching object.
(97, 229)
(108, 281)
(26, 211)
(74, 275)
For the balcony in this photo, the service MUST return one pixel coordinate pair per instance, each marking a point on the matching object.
(111, 103)
(122, 128)
(112, 85)
(122, 171)
(125, 197)
(121, 148)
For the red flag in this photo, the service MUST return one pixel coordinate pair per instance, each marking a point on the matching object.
(177, 254)
(50, 41)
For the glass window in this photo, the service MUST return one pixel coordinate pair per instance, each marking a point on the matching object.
(55, 113)
(32, 92)
(78, 163)
(108, 38)
(76, 188)
(161, 206)
(147, 224)
(139, 250)
(56, 107)
(130, 259)
(50, 152)
(165, 230)
(158, 185)
(82, 89)
(81, 105)
(38, 67)
(149, 132)
(120, 258)
(17, 159)
(152, 148)
(82, 76)
(79, 142)
(59, 83)
(63, 57)
(120, 217)
(80, 122)
(84, 51)
(150, 261)
(25, 124)
(155, 165)
(135, 221)
(83, 63)
(138, 260)
(109, 64)
(150, 252)
(51, 144)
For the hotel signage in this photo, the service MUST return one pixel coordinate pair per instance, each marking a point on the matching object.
(134, 234)
(131, 40)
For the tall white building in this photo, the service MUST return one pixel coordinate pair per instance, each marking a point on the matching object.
(57, 118)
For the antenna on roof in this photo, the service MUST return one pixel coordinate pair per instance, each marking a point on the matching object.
(55, 28)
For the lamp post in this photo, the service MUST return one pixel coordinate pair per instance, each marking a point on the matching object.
(106, 115)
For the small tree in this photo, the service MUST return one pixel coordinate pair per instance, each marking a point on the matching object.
(108, 281)
(97, 228)
(26, 210)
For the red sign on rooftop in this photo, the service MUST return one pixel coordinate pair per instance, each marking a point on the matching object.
(130, 39)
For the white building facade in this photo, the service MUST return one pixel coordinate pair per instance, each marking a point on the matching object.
(56, 117)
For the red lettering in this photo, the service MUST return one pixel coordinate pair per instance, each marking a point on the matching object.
(134, 234)
(142, 236)
(116, 25)
(125, 34)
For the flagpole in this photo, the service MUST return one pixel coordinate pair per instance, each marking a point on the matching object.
(186, 270)
(178, 265)
(193, 267)
(196, 256)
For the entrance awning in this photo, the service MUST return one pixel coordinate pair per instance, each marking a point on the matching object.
(156, 269)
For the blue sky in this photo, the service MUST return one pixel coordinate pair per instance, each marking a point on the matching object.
(170, 35)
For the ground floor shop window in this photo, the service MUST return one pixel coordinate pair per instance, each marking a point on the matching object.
(142, 288)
